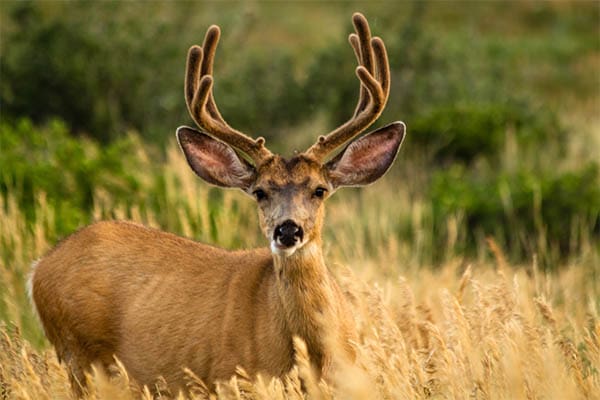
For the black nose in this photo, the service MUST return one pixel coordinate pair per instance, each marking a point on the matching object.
(288, 233)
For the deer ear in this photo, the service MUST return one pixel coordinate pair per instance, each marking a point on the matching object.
(214, 161)
(365, 160)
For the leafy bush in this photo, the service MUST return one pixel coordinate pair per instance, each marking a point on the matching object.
(67, 183)
(463, 131)
(69, 171)
(105, 75)
(58, 67)
(519, 209)
(261, 94)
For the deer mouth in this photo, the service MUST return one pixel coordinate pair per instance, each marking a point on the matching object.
(282, 250)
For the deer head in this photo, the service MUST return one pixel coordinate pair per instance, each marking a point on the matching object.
(291, 192)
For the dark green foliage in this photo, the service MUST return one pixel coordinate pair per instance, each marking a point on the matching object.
(261, 94)
(332, 84)
(107, 72)
(69, 172)
(56, 67)
(98, 71)
(463, 131)
(73, 181)
(107, 67)
(520, 209)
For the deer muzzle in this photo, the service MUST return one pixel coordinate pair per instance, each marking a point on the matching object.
(288, 234)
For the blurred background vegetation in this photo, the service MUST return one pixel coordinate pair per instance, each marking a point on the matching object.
(501, 100)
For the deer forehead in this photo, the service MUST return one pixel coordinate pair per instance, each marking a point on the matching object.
(296, 172)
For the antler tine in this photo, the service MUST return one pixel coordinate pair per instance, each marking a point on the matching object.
(361, 44)
(201, 104)
(373, 72)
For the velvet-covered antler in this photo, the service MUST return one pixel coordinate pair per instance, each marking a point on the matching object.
(201, 104)
(373, 72)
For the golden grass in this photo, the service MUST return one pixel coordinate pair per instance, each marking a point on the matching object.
(480, 330)
(484, 334)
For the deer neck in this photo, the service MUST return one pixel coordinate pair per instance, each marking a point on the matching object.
(307, 296)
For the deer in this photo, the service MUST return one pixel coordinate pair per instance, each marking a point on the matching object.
(160, 303)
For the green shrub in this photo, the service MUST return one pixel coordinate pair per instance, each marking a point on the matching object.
(57, 68)
(69, 171)
(105, 71)
(464, 131)
(524, 211)
(261, 94)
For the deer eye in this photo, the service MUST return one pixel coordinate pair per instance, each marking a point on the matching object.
(319, 192)
(260, 194)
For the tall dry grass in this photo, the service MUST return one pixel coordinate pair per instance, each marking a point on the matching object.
(482, 329)
(483, 332)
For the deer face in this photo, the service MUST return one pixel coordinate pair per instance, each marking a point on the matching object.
(290, 193)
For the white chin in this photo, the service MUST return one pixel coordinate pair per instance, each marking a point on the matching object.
(282, 252)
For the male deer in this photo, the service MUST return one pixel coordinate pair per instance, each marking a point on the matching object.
(159, 302)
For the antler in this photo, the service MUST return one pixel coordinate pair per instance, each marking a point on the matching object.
(373, 72)
(201, 103)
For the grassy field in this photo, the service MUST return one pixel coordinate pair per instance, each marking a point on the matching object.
(474, 269)
(463, 329)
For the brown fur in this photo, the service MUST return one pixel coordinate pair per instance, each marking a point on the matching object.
(170, 302)
(161, 303)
